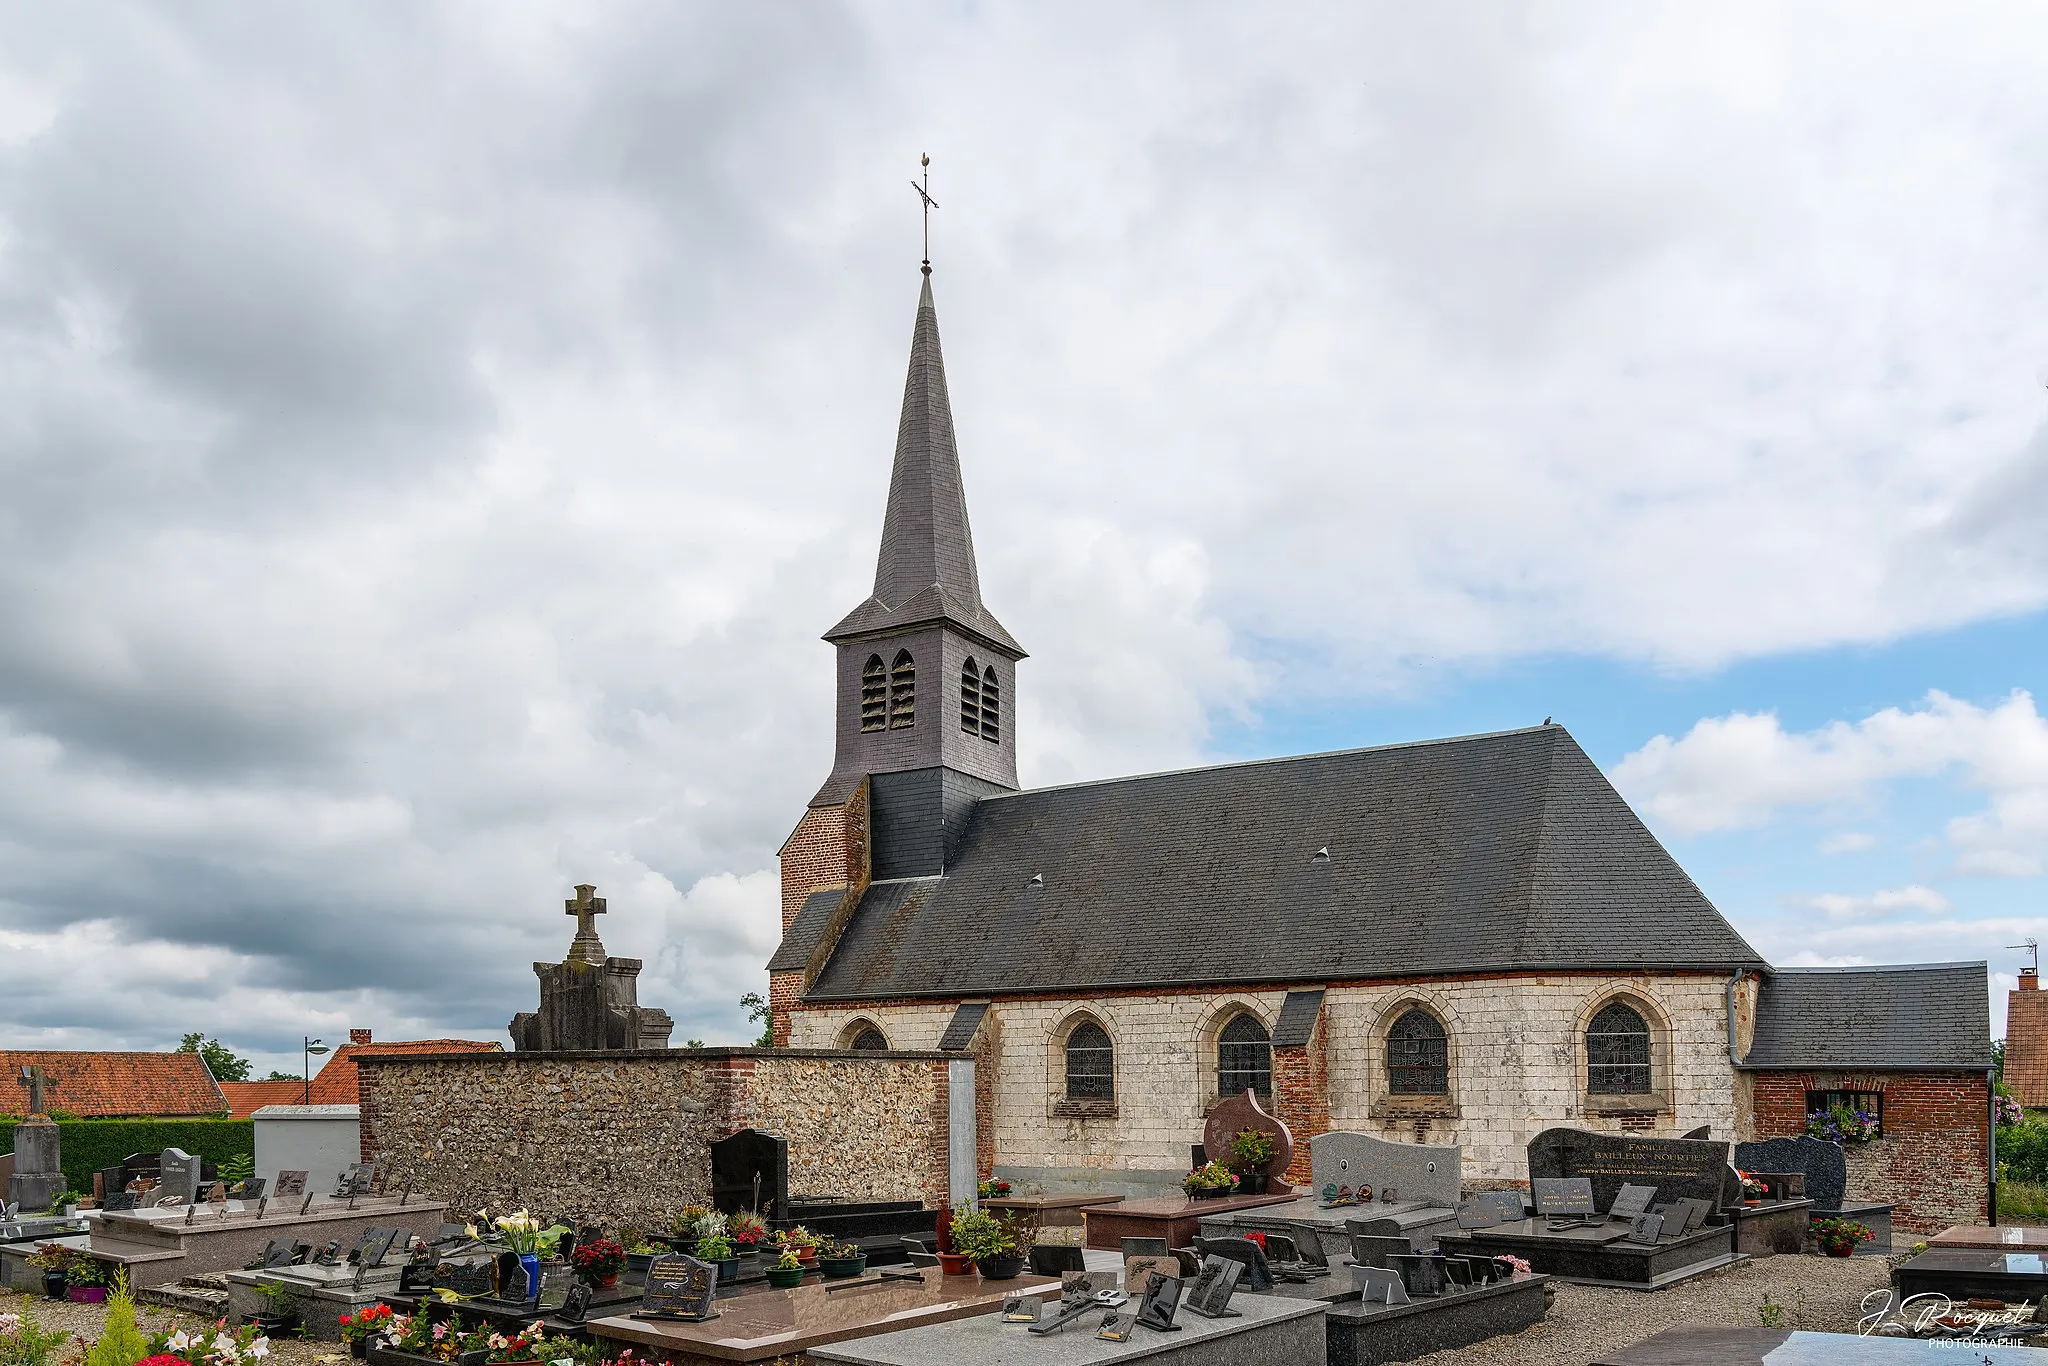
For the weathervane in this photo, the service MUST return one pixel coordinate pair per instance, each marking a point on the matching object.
(924, 193)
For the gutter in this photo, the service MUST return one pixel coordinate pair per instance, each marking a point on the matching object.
(1991, 1147)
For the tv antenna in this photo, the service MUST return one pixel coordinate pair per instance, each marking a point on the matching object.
(2033, 948)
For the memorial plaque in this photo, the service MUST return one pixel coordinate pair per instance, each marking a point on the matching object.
(217, 1193)
(1560, 1197)
(1378, 1285)
(1367, 1250)
(291, 1184)
(1117, 1326)
(678, 1287)
(576, 1306)
(1021, 1309)
(249, 1189)
(279, 1252)
(371, 1247)
(1139, 1271)
(1821, 1162)
(1161, 1299)
(1421, 1274)
(1678, 1168)
(555, 1284)
(1417, 1171)
(1458, 1270)
(1479, 1214)
(1144, 1247)
(1210, 1295)
(469, 1277)
(1512, 1207)
(1256, 1276)
(119, 1200)
(1631, 1201)
(1309, 1243)
(1647, 1228)
(1684, 1216)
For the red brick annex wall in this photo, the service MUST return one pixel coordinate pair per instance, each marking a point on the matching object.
(828, 848)
(1934, 1160)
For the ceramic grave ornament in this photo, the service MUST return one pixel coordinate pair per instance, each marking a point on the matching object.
(1243, 1112)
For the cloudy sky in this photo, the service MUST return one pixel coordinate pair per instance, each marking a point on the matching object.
(434, 436)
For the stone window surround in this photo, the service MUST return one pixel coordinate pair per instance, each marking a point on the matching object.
(854, 1027)
(1657, 1100)
(1210, 1036)
(1384, 1103)
(1058, 1106)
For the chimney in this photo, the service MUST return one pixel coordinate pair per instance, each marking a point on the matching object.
(359, 1036)
(2030, 979)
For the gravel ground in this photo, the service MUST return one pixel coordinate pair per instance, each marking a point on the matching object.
(84, 1321)
(1820, 1294)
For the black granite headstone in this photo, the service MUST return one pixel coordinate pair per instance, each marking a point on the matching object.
(1827, 1171)
(371, 1247)
(678, 1287)
(750, 1171)
(1680, 1168)
(1162, 1298)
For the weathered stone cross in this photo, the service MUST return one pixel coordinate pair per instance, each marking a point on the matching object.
(39, 1085)
(587, 947)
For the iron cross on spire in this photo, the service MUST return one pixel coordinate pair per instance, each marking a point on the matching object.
(924, 193)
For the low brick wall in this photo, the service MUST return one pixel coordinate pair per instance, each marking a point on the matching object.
(625, 1137)
(1932, 1163)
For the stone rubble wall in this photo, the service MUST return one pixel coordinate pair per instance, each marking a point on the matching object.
(1516, 1052)
(625, 1137)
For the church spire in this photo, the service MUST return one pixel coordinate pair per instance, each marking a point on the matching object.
(926, 572)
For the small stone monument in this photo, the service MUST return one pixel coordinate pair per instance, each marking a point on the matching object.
(178, 1175)
(589, 1002)
(38, 1150)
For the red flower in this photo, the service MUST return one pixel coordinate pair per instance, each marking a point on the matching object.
(162, 1361)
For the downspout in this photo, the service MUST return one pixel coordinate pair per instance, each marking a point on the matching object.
(1991, 1148)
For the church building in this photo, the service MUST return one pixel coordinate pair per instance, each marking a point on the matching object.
(1464, 940)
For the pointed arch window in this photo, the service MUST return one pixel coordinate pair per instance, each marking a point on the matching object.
(902, 692)
(991, 705)
(1244, 1059)
(1091, 1063)
(1618, 1052)
(1418, 1056)
(874, 695)
(970, 697)
(870, 1040)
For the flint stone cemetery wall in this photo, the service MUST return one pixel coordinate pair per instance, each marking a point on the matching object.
(1516, 1054)
(1933, 1161)
(626, 1136)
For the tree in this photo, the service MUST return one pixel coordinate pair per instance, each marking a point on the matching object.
(1997, 1060)
(218, 1057)
(282, 1076)
(758, 1011)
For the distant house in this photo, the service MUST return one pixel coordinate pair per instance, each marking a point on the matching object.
(116, 1085)
(335, 1083)
(245, 1098)
(2026, 1041)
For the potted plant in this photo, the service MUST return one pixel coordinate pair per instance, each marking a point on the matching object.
(53, 1260)
(717, 1249)
(987, 1240)
(800, 1240)
(747, 1231)
(86, 1281)
(788, 1271)
(358, 1328)
(280, 1312)
(1250, 1151)
(524, 1235)
(842, 1259)
(1209, 1181)
(995, 1188)
(1753, 1190)
(516, 1349)
(1018, 1234)
(1842, 1124)
(1838, 1237)
(598, 1263)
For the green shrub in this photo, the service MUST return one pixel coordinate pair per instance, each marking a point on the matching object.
(2023, 1149)
(2022, 1202)
(121, 1342)
(90, 1144)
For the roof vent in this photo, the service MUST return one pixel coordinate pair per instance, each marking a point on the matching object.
(1037, 880)
(1322, 855)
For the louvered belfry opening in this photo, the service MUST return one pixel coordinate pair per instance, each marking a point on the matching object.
(991, 706)
(874, 695)
(970, 697)
(902, 692)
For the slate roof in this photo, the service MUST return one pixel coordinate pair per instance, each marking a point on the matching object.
(114, 1085)
(967, 1018)
(1297, 1022)
(1486, 853)
(1911, 1016)
(925, 571)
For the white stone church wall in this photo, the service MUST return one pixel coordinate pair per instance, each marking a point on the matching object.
(1517, 1066)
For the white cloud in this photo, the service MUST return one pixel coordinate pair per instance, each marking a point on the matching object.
(1744, 769)
(1848, 842)
(1910, 898)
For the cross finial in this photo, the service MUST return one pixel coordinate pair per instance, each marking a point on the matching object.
(924, 193)
(38, 1084)
(587, 947)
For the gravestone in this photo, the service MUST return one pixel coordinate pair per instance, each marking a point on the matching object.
(291, 1185)
(1679, 1168)
(178, 1175)
(1418, 1171)
(1822, 1162)
(678, 1287)
(1243, 1112)
(750, 1171)
(1646, 1228)
(1562, 1197)
(1631, 1201)
(590, 1001)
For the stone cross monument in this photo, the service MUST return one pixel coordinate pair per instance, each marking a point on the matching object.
(38, 1151)
(590, 1001)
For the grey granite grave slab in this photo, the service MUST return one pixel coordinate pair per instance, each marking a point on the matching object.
(1360, 1334)
(1421, 1224)
(1680, 1168)
(1826, 1169)
(1419, 1172)
(1269, 1330)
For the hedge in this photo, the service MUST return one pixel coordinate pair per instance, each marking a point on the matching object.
(2023, 1149)
(90, 1144)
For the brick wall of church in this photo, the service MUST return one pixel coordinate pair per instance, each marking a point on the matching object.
(828, 848)
(1516, 1062)
(1932, 1161)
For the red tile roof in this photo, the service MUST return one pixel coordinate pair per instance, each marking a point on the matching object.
(336, 1082)
(2026, 1046)
(114, 1085)
(247, 1097)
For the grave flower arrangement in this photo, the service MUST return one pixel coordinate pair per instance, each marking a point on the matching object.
(747, 1230)
(521, 1346)
(1840, 1124)
(598, 1263)
(24, 1342)
(1752, 1188)
(227, 1347)
(365, 1323)
(994, 1189)
(1252, 1149)
(523, 1233)
(1839, 1237)
(1212, 1178)
(801, 1241)
(716, 1248)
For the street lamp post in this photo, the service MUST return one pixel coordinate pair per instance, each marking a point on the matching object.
(311, 1047)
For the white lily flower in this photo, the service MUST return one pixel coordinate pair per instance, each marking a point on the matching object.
(260, 1348)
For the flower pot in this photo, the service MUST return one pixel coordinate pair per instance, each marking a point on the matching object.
(785, 1277)
(1752, 1204)
(359, 1348)
(1251, 1183)
(953, 1264)
(530, 1263)
(836, 1267)
(597, 1283)
(1000, 1268)
(728, 1270)
(639, 1261)
(1208, 1192)
(807, 1255)
(87, 1294)
(53, 1285)
(1839, 1249)
(274, 1325)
